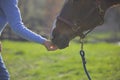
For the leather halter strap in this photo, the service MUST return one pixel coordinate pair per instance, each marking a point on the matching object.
(75, 27)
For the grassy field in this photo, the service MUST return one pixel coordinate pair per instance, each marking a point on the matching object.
(31, 61)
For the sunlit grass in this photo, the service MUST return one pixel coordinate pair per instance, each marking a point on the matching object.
(31, 61)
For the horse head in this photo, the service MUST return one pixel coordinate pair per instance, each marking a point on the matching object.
(77, 17)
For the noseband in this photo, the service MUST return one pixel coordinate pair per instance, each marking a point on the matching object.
(72, 25)
(75, 27)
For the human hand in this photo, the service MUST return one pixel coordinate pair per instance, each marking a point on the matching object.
(50, 46)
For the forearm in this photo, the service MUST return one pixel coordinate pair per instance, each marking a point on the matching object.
(27, 34)
(13, 16)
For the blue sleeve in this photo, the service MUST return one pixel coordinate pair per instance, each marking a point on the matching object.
(12, 12)
(3, 21)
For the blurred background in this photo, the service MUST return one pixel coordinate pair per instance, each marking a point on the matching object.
(38, 15)
(30, 61)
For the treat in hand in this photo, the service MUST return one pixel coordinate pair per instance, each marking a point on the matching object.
(50, 46)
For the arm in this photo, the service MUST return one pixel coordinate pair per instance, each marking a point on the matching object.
(13, 16)
(3, 21)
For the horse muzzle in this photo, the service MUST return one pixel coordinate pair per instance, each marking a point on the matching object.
(61, 41)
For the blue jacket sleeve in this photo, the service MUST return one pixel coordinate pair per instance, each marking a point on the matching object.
(13, 16)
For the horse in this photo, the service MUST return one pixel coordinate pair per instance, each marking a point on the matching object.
(78, 18)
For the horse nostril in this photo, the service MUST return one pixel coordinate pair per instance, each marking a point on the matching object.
(64, 39)
(61, 41)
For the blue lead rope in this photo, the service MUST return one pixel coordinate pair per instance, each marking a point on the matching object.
(82, 53)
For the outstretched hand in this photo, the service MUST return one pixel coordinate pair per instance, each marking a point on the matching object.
(50, 46)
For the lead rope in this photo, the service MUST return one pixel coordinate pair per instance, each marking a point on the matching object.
(82, 53)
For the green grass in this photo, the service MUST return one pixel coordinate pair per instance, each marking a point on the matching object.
(31, 61)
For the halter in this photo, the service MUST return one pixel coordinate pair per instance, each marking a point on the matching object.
(75, 27)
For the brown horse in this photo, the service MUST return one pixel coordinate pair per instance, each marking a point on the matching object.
(78, 17)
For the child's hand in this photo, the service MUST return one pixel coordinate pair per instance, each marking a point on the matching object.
(50, 46)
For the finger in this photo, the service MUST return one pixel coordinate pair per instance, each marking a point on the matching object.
(52, 48)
